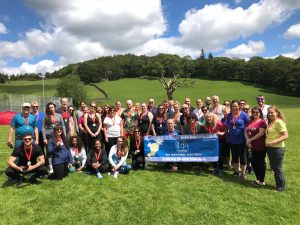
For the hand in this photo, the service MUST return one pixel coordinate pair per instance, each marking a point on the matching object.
(20, 168)
(70, 165)
(80, 169)
(30, 168)
(37, 142)
(106, 139)
(9, 143)
(45, 141)
(137, 152)
(115, 168)
(270, 144)
(248, 142)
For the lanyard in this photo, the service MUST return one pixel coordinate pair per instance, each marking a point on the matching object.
(235, 118)
(76, 151)
(137, 144)
(53, 119)
(93, 118)
(98, 155)
(28, 156)
(26, 121)
(193, 129)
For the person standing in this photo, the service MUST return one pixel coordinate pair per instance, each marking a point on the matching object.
(145, 120)
(93, 125)
(151, 107)
(261, 103)
(23, 123)
(237, 121)
(276, 135)
(217, 108)
(73, 124)
(39, 116)
(197, 111)
(30, 161)
(159, 124)
(63, 111)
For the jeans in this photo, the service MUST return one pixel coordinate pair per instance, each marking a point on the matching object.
(124, 169)
(276, 156)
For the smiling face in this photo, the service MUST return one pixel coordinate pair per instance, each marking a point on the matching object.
(235, 107)
(272, 115)
(74, 141)
(27, 140)
(97, 145)
(51, 109)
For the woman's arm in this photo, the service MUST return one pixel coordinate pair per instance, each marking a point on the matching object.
(284, 136)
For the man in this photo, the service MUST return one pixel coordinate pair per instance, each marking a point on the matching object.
(30, 162)
(151, 107)
(208, 101)
(183, 117)
(119, 108)
(23, 123)
(129, 120)
(169, 113)
(172, 132)
(261, 104)
(63, 110)
(217, 108)
(197, 111)
(242, 103)
(187, 101)
(39, 120)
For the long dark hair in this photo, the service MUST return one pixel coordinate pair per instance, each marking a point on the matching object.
(79, 142)
(48, 120)
(63, 137)
(256, 109)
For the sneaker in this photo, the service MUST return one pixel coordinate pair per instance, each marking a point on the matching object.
(116, 174)
(99, 175)
(20, 182)
(51, 170)
(243, 176)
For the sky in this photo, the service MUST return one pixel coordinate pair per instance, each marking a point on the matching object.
(38, 36)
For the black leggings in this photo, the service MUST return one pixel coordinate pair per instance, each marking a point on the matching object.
(259, 164)
(60, 171)
(238, 152)
(111, 142)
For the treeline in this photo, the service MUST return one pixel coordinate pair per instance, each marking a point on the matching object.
(280, 73)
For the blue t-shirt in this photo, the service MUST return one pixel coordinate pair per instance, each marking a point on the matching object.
(23, 125)
(39, 120)
(236, 128)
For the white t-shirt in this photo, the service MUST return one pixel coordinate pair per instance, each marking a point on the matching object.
(265, 112)
(113, 126)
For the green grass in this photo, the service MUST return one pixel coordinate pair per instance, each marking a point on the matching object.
(154, 196)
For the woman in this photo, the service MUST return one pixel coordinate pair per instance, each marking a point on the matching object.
(193, 126)
(224, 146)
(276, 135)
(99, 110)
(213, 125)
(159, 124)
(138, 159)
(82, 130)
(255, 134)
(137, 107)
(237, 121)
(204, 110)
(73, 121)
(112, 126)
(50, 120)
(61, 155)
(97, 160)
(145, 121)
(93, 125)
(117, 157)
(78, 153)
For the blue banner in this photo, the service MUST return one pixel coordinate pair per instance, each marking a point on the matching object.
(182, 148)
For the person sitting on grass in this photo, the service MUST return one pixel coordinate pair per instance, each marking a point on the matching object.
(78, 153)
(97, 160)
(31, 162)
(138, 159)
(117, 157)
(58, 147)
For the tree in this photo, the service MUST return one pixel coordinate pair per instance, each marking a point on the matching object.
(177, 81)
(71, 86)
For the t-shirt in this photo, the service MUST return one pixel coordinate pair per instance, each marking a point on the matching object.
(236, 128)
(19, 152)
(274, 131)
(252, 130)
(23, 125)
(113, 126)
(129, 118)
(217, 111)
(39, 120)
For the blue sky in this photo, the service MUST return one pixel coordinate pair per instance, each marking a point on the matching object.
(41, 36)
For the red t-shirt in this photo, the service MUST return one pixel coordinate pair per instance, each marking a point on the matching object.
(252, 129)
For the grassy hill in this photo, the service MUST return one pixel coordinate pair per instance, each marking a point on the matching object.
(155, 196)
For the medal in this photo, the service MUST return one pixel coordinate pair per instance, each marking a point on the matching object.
(234, 127)
(66, 120)
(28, 163)
(94, 124)
(160, 125)
(28, 155)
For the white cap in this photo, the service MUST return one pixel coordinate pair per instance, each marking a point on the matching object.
(25, 104)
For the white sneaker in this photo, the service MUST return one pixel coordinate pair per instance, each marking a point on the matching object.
(116, 174)
(99, 175)
(51, 170)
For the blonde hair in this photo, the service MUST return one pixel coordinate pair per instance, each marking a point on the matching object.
(279, 114)
(214, 119)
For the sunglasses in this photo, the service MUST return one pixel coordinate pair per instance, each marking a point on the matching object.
(255, 112)
(185, 108)
(246, 109)
(27, 139)
(161, 108)
(58, 129)
(260, 99)
(36, 106)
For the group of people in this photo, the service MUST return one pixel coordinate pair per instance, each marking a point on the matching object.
(99, 139)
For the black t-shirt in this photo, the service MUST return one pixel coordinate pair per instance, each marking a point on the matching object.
(19, 152)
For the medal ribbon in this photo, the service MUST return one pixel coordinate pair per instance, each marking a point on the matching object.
(98, 155)
(235, 118)
(137, 144)
(26, 121)
(28, 156)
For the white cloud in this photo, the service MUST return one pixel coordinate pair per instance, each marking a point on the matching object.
(3, 29)
(40, 67)
(214, 26)
(295, 54)
(293, 31)
(253, 48)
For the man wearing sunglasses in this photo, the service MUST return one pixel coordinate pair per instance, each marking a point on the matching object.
(30, 162)
(261, 104)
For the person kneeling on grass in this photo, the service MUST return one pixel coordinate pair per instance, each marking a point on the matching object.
(26, 155)
(117, 157)
(97, 160)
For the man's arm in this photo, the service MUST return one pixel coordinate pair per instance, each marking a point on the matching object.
(10, 134)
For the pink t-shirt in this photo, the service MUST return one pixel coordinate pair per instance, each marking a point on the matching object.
(252, 129)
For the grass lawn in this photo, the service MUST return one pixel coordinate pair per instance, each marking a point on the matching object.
(154, 196)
